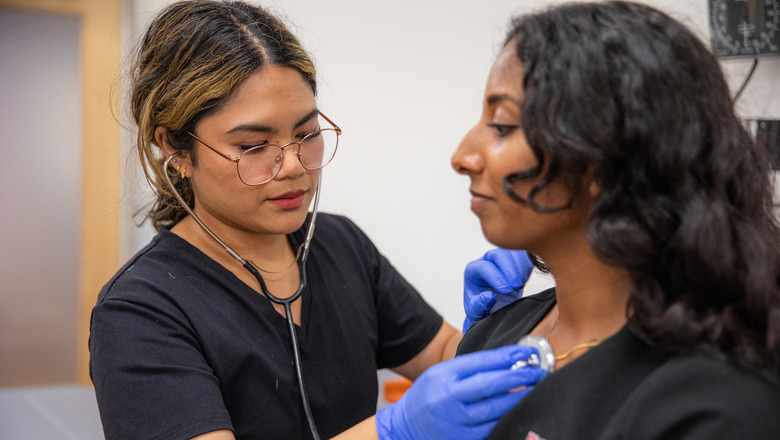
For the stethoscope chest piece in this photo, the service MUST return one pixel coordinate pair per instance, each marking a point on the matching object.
(546, 358)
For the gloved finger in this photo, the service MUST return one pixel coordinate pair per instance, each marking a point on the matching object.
(503, 299)
(484, 275)
(525, 266)
(478, 306)
(490, 410)
(467, 323)
(501, 358)
(514, 264)
(487, 384)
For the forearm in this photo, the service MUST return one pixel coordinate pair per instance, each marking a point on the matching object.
(365, 430)
(441, 348)
(451, 346)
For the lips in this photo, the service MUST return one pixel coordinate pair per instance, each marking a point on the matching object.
(476, 194)
(289, 195)
(288, 200)
(478, 200)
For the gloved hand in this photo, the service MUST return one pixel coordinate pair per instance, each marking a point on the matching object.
(462, 398)
(493, 281)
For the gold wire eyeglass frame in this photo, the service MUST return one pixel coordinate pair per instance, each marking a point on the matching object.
(335, 129)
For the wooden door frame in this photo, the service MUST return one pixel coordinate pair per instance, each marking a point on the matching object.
(101, 60)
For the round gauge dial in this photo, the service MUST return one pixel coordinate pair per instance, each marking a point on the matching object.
(743, 28)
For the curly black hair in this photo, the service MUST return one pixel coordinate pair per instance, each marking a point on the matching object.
(623, 93)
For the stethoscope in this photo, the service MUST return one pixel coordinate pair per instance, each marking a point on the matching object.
(302, 255)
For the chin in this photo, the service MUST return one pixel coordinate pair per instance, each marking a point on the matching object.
(503, 235)
(496, 238)
(281, 223)
(295, 220)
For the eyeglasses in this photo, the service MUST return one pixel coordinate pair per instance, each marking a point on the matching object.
(262, 163)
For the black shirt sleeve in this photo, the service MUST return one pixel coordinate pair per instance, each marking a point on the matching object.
(147, 362)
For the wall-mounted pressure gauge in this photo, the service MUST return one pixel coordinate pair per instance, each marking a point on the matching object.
(744, 28)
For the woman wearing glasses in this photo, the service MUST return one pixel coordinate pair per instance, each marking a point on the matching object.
(609, 148)
(185, 341)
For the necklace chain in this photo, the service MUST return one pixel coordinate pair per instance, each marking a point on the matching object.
(580, 346)
(274, 272)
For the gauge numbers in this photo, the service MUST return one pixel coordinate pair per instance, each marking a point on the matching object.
(744, 28)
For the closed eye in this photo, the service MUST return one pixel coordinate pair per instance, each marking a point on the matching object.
(312, 135)
(308, 133)
(248, 147)
(503, 130)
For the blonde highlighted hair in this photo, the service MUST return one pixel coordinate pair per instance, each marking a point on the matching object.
(193, 57)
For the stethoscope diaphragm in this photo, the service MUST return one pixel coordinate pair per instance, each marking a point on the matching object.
(546, 357)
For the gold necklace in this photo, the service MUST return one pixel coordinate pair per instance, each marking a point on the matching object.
(568, 353)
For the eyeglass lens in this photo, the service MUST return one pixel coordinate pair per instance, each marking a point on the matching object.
(260, 164)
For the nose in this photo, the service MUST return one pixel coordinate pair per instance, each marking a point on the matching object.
(466, 159)
(291, 165)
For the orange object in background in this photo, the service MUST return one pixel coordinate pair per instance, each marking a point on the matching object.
(396, 388)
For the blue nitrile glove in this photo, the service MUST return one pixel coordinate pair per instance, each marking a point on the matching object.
(462, 398)
(492, 282)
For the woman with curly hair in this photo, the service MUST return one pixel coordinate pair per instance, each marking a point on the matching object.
(609, 149)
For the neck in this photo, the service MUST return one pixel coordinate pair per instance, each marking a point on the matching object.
(591, 302)
(591, 295)
(271, 252)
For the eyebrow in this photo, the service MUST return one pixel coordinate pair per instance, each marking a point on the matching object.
(499, 97)
(267, 129)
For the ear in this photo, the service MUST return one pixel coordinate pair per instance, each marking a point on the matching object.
(592, 183)
(594, 188)
(182, 163)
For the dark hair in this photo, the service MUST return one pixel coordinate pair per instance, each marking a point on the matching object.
(623, 94)
(193, 57)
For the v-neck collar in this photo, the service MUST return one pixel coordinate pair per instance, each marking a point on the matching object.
(295, 239)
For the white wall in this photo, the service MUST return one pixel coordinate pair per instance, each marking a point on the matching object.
(404, 79)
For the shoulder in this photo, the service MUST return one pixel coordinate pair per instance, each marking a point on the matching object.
(165, 260)
(541, 298)
(530, 309)
(715, 375)
(168, 285)
(331, 225)
(702, 395)
(341, 235)
(507, 325)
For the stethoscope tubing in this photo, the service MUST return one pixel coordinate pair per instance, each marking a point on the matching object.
(286, 302)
